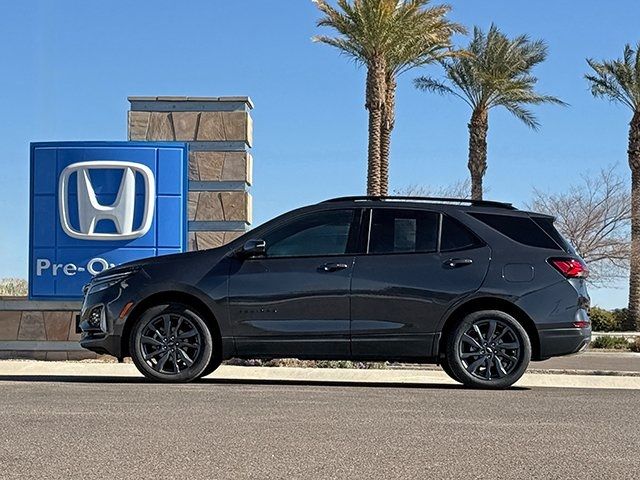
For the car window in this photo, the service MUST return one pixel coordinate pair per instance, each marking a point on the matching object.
(547, 225)
(316, 234)
(521, 229)
(403, 231)
(456, 236)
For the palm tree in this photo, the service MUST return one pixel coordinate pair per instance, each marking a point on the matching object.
(619, 81)
(495, 73)
(389, 37)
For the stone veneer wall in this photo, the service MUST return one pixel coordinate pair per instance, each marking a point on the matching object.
(39, 330)
(219, 132)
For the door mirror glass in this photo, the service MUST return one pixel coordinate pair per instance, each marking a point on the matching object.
(253, 248)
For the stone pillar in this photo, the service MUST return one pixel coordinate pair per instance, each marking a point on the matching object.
(219, 132)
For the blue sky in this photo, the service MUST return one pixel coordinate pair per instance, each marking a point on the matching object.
(68, 67)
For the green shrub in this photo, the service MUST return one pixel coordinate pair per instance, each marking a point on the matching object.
(635, 346)
(621, 315)
(604, 320)
(611, 343)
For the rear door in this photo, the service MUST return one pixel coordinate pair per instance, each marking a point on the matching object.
(418, 263)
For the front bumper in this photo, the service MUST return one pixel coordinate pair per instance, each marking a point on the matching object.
(556, 342)
(105, 336)
(103, 345)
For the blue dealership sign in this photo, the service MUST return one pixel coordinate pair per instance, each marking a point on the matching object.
(98, 204)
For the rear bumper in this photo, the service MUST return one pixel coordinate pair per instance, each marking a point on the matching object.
(555, 342)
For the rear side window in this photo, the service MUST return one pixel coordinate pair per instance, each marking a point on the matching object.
(546, 224)
(521, 229)
(456, 236)
(403, 231)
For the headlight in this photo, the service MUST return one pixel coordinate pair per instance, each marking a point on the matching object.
(107, 281)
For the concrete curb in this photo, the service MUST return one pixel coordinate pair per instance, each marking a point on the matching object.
(58, 370)
(544, 371)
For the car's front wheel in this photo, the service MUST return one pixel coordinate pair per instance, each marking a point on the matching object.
(488, 349)
(444, 363)
(171, 343)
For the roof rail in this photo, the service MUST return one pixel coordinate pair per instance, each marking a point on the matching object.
(479, 203)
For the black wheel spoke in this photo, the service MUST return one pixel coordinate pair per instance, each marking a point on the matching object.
(163, 361)
(470, 354)
(471, 341)
(492, 330)
(499, 367)
(499, 337)
(151, 341)
(475, 365)
(153, 354)
(166, 323)
(156, 332)
(191, 333)
(174, 358)
(502, 354)
(177, 327)
(476, 327)
(487, 366)
(185, 357)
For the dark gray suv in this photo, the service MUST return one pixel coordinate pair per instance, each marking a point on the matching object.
(478, 287)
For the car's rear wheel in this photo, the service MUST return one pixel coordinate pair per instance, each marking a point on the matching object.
(213, 364)
(488, 349)
(171, 343)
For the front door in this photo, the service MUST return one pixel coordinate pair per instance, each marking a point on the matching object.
(418, 264)
(294, 301)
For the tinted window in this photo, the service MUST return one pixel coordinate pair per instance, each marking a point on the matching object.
(520, 229)
(455, 236)
(403, 231)
(547, 225)
(323, 233)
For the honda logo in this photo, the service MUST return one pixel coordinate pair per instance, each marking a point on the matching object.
(120, 212)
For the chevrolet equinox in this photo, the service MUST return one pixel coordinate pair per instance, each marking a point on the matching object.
(478, 287)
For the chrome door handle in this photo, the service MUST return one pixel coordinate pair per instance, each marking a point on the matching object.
(457, 262)
(333, 267)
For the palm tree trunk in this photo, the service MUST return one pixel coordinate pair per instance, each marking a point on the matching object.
(375, 103)
(478, 128)
(388, 122)
(632, 322)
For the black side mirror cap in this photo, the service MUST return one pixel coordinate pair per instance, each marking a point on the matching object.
(255, 247)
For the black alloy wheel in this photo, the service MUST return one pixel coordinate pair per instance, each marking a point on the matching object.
(489, 349)
(171, 343)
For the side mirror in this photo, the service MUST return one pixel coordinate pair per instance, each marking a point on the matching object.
(253, 248)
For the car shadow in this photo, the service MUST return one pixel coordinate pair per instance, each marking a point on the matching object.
(232, 381)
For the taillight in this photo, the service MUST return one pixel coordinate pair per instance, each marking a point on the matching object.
(570, 267)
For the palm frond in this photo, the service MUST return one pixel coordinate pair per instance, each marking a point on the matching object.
(617, 80)
(496, 71)
(404, 33)
(428, 84)
(522, 114)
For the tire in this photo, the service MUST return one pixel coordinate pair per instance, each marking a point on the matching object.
(488, 349)
(171, 343)
(214, 363)
(444, 363)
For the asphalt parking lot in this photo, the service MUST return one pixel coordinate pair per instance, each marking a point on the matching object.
(114, 427)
